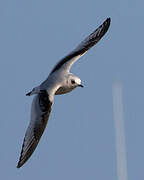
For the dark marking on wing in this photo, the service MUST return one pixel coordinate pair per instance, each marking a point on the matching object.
(44, 101)
(85, 45)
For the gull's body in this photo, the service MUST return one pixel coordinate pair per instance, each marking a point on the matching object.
(59, 81)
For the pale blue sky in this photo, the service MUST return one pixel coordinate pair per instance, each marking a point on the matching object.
(79, 142)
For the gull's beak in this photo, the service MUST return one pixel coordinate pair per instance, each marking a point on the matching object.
(28, 94)
(81, 85)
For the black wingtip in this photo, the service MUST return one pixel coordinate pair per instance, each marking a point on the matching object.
(109, 19)
(104, 27)
(107, 22)
(19, 163)
(18, 166)
(28, 94)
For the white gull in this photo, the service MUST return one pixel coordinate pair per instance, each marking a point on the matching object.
(59, 81)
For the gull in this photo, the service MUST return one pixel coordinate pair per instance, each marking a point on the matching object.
(59, 81)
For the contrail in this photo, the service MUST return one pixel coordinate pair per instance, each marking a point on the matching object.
(119, 131)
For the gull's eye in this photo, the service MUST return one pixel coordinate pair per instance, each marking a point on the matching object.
(72, 81)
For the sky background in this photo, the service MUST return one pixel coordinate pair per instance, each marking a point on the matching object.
(79, 142)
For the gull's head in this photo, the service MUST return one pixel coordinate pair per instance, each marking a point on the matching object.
(35, 90)
(74, 81)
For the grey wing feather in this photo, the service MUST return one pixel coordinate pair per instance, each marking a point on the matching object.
(41, 108)
(83, 47)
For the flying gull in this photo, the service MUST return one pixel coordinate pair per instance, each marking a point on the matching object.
(59, 81)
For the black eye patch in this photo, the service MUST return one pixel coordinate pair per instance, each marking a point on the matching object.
(72, 81)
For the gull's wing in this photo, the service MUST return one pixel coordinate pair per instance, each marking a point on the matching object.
(66, 63)
(40, 111)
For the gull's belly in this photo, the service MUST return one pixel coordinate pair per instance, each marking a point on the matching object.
(63, 90)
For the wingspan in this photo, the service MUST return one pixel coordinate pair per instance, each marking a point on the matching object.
(41, 108)
(83, 47)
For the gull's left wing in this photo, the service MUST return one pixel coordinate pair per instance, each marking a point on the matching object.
(66, 63)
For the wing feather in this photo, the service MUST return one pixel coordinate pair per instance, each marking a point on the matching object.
(41, 108)
(83, 47)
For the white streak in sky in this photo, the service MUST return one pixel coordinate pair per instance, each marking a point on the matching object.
(119, 131)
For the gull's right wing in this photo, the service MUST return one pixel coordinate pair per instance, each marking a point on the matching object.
(40, 111)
